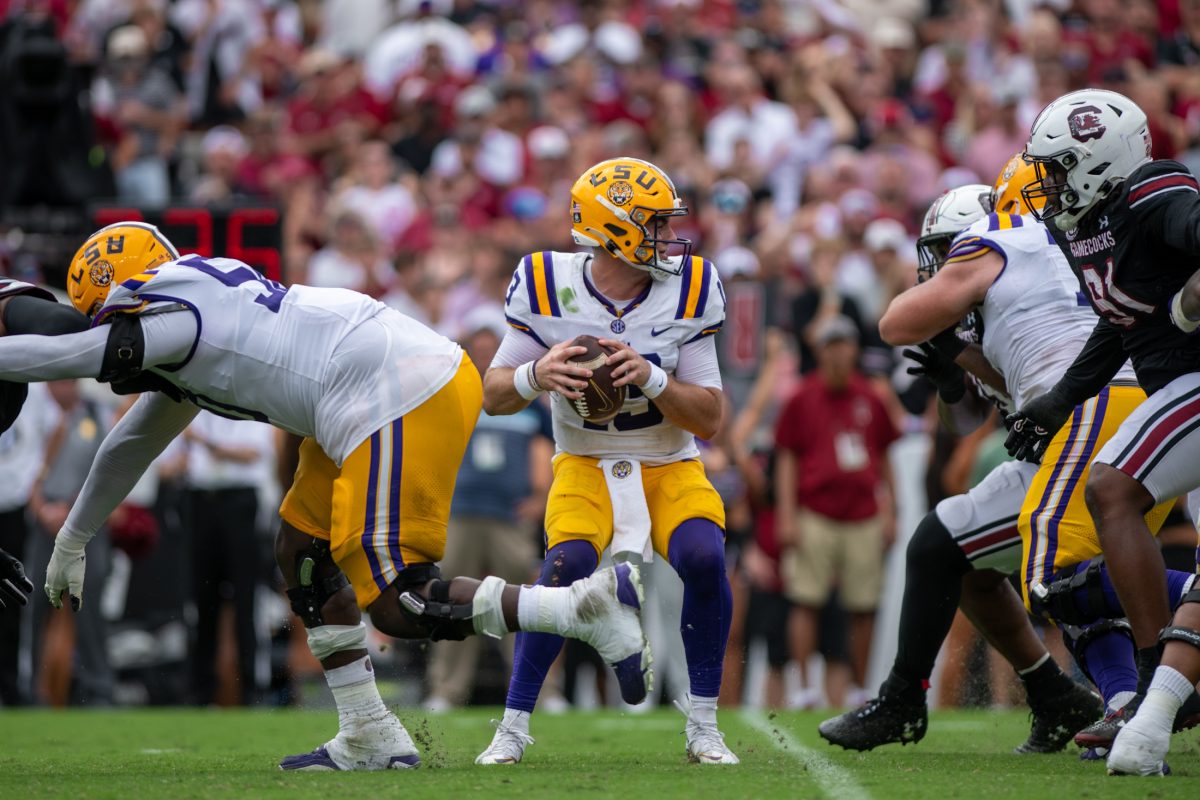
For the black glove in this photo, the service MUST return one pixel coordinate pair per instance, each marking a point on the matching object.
(942, 372)
(14, 586)
(1032, 426)
(12, 398)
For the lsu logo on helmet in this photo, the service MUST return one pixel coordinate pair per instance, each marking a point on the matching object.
(1085, 124)
(1007, 194)
(114, 254)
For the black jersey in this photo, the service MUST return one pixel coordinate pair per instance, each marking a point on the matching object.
(1132, 253)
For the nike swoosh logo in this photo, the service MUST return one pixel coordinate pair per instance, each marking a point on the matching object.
(656, 332)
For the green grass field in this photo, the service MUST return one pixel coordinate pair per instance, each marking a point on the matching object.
(183, 754)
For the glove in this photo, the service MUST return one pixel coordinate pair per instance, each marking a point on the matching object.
(14, 586)
(66, 569)
(942, 372)
(1032, 426)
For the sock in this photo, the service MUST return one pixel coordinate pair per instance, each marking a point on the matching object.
(518, 720)
(1167, 692)
(357, 697)
(704, 709)
(1109, 659)
(1043, 678)
(697, 552)
(1147, 663)
(535, 652)
(933, 584)
(1178, 584)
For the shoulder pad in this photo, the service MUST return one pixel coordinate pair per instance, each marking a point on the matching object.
(701, 298)
(1158, 179)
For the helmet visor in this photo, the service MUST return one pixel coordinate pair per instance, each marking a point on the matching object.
(1049, 195)
(932, 252)
(658, 248)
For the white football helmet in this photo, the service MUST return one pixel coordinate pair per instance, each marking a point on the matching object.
(1083, 145)
(950, 215)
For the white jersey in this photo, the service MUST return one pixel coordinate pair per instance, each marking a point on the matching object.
(552, 300)
(1035, 319)
(327, 363)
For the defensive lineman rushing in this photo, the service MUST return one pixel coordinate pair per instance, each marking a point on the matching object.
(1004, 268)
(1130, 228)
(636, 481)
(386, 407)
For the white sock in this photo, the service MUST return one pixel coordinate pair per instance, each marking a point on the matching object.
(1168, 690)
(704, 709)
(543, 609)
(518, 720)
(357, 697)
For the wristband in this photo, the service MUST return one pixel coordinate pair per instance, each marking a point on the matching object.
(656, 384)
(1180, 319)
(525, 382)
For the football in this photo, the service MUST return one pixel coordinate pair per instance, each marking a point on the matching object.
(601, 400)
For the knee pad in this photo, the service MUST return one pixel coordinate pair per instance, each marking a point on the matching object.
(932, 545)
(326, 640)
(1077, 638)
(1176, 633)
(1061, 598)
(444, 620)
(312, 592)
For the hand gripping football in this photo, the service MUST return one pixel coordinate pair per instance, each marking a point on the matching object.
(601, 400)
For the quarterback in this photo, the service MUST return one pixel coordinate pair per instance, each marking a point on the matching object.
(633, 483)
(386, 407)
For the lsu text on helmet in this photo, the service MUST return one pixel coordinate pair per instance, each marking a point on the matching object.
(111, 255)
(1008, 196)
(1083, 145)
(950, 214)
(625, 205)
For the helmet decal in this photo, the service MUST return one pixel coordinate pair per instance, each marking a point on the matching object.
(101, 273)
(620, 192)
(1085, 124)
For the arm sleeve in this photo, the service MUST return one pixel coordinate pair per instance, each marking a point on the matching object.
(698, 363)
(516, 349)
(1180, 221)
(124, 455)
(1100, 359)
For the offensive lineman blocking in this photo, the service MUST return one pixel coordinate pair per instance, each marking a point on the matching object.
(634, 483)
(386, 407)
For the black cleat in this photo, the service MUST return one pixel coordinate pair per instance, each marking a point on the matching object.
(1057, 717)
(879, 721)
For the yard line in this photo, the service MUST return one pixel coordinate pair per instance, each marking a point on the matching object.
(832, 780)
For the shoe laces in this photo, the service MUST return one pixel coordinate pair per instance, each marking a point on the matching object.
(508, 736)
(705, 735)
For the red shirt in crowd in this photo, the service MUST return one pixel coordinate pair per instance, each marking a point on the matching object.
(839, 438)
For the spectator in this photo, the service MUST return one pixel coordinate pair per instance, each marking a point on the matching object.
(353, 259)
(228, 460)
(763, 127)
(224, 149)
(497, 510)
(145, 114)
(388, 205)
(835, 517)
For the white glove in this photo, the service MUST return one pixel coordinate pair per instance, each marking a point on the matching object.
(66, 569)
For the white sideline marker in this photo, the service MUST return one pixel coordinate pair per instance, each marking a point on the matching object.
(832, 780)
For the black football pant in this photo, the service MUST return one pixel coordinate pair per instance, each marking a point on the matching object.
(13, 533)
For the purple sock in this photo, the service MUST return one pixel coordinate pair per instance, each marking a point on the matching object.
(1109, 659)
(697, 552)
(535, 652)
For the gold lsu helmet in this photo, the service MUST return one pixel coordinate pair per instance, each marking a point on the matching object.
(624, 205)
(111, 255)
(1007, 197)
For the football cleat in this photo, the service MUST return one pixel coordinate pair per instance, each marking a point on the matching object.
(1057, 718)
(1102, 733)
(507, 747)
(705, 743)
(376, 745)
(881, 720)
(1139, 749)
(605, 607)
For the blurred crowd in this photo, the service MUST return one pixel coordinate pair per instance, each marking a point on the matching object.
(418, 148)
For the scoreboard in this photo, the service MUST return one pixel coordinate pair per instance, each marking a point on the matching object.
(253, 234)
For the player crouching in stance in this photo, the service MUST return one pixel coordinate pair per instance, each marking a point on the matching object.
(963, 550)
(386, 406)
(632, 481)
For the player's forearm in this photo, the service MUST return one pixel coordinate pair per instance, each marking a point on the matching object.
(1098, 362)
(696, 409)
(500, 395)
(124, 456)
(1185, 307)
(973, 361)
(46, 358)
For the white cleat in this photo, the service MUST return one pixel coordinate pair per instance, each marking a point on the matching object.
(705, 742)
(1139, 749)
(606, 607)
(377, 745)
(507, 747)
